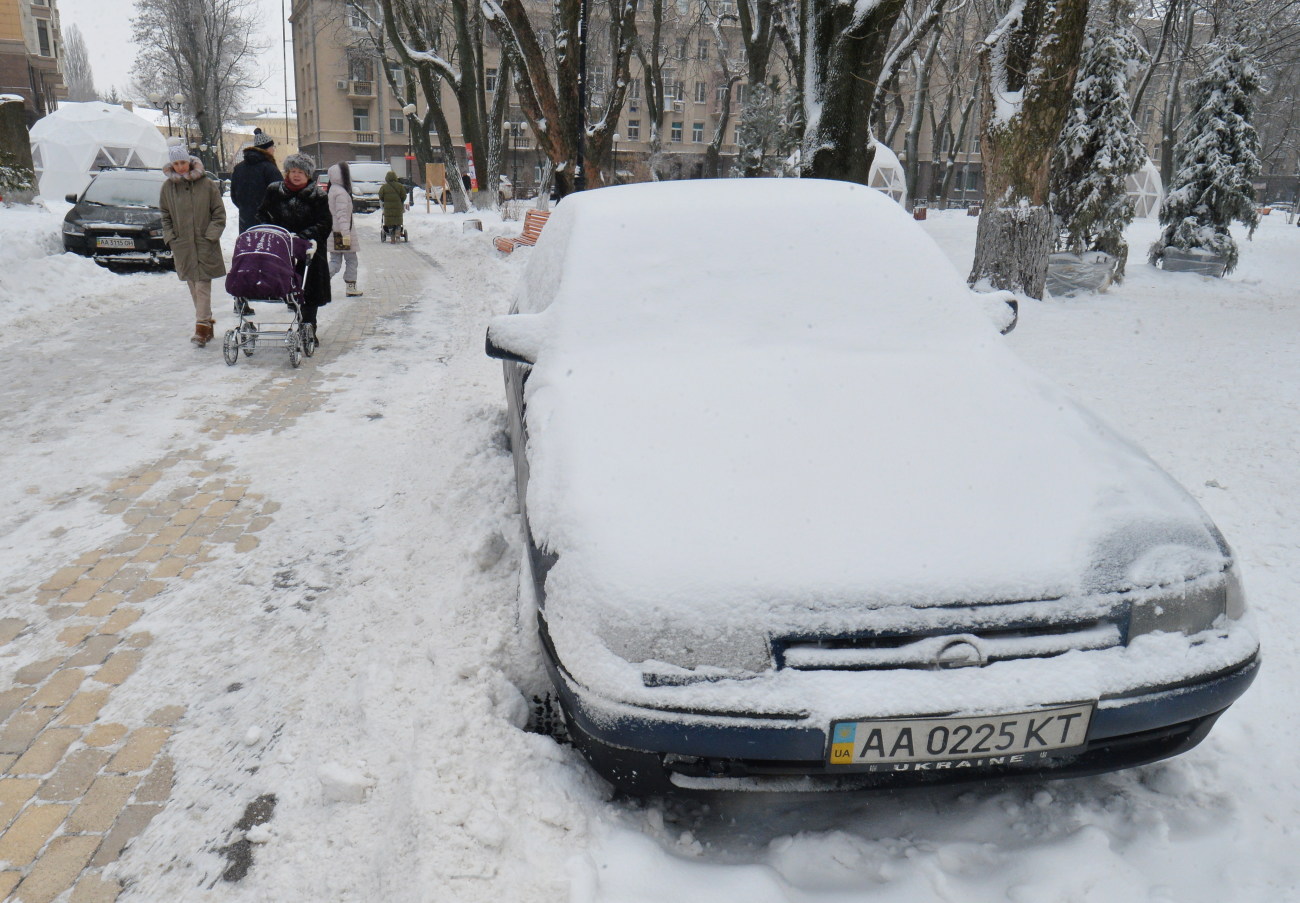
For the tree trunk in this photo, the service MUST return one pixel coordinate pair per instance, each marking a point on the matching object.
(1028, 66)
(844, 53)
(17, 177)
(920, 102)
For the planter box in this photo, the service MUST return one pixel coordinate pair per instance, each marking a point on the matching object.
(1176, 260)
(1078, 274)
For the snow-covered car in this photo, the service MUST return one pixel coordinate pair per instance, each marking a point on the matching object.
(117, 220)
(794, 513)
(367, 178)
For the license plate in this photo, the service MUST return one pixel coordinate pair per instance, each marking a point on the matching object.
(115, 243)
(983, 739)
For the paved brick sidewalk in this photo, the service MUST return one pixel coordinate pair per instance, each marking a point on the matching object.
(75, 789)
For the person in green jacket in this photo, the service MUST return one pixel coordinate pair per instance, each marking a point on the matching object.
(393, 196)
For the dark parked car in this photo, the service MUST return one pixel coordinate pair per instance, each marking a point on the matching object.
(117, 220)
(794, 513)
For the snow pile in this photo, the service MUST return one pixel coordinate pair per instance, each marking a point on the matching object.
(43, 289)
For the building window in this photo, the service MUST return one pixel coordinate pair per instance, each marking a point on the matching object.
(702, 49)
(396, 76)
(739, 93)
(634, 96)
(356, 16)
(697, 133)
(360, 119)
(489, 80)
(396, 122)
(681, 48)
(701, 92)
(358, 69)
(634, 130)
(676, 136)
(735, 136)
(43, 33)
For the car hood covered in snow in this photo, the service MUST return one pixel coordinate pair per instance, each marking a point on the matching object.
(781, 427)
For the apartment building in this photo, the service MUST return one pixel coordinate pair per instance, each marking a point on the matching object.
(349, 110)
(30, 52)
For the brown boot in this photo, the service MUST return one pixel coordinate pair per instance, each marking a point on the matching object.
(203, 332)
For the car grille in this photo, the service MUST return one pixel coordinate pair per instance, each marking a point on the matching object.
(954, 637)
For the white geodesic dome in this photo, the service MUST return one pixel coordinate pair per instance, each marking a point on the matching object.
(1145, 190)
(79, 139)
(887, 174)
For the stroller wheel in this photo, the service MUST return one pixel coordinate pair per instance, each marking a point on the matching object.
(248, 337)
(230, 347)
(294, 341)
(309, 341)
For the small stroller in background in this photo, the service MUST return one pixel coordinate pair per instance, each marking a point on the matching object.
(268, 266)
(393, 233)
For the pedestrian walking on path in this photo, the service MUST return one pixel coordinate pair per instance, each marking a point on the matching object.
(343, 243)
(193, 218)
(393, 198)
(299, 205)
(251, 177)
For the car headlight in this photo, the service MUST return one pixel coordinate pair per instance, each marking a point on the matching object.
(677, 657)
(73, 229)
(1189, 608)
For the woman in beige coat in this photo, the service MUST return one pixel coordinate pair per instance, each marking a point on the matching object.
(193, 218)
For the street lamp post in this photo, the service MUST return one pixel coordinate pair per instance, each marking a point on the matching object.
(613, 168)
(167, 103)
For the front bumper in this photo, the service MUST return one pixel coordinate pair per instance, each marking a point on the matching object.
(150, 252)
(644, 749)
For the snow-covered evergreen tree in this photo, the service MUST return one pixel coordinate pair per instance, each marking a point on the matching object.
(1218, 160)
(1099, 148)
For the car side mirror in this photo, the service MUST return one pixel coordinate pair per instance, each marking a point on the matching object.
(515, 337)
(70, 198)
(492, 349)
(1001, 307)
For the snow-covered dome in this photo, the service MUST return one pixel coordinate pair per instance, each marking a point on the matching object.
(1145, 190)
(79, 139)
(887, 173)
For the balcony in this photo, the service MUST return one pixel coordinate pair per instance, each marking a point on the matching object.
(361, 89)
(365, 138)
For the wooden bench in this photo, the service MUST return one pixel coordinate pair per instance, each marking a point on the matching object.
(533, 222)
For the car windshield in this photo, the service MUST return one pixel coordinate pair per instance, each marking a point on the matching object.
(368, 172)
(122, 189)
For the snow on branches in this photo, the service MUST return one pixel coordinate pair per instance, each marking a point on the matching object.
(1099, 148)
(1218, 160)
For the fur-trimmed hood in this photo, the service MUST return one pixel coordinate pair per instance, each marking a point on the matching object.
(196, 170)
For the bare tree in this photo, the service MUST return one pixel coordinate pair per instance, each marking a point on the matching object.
(1028, 65)
(847, 53)
(549, 94)
(76, 67)
(206, 49)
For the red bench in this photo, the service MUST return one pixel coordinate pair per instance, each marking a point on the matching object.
(533, 222)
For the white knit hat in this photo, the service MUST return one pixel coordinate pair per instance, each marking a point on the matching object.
(178, 151)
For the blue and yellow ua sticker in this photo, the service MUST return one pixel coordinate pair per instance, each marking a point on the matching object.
(842, 743)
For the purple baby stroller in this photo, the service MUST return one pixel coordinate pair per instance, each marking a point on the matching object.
(269, 266)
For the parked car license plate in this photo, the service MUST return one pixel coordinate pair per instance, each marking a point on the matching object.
(998, 738)
(115, 243)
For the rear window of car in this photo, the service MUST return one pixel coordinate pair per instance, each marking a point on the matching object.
(122, 189)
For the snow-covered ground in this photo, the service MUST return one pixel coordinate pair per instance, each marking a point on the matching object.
(373, 639)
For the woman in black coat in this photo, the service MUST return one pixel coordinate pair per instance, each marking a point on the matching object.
(301, 206)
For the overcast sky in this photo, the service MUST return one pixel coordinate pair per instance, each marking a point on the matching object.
(106, 28)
